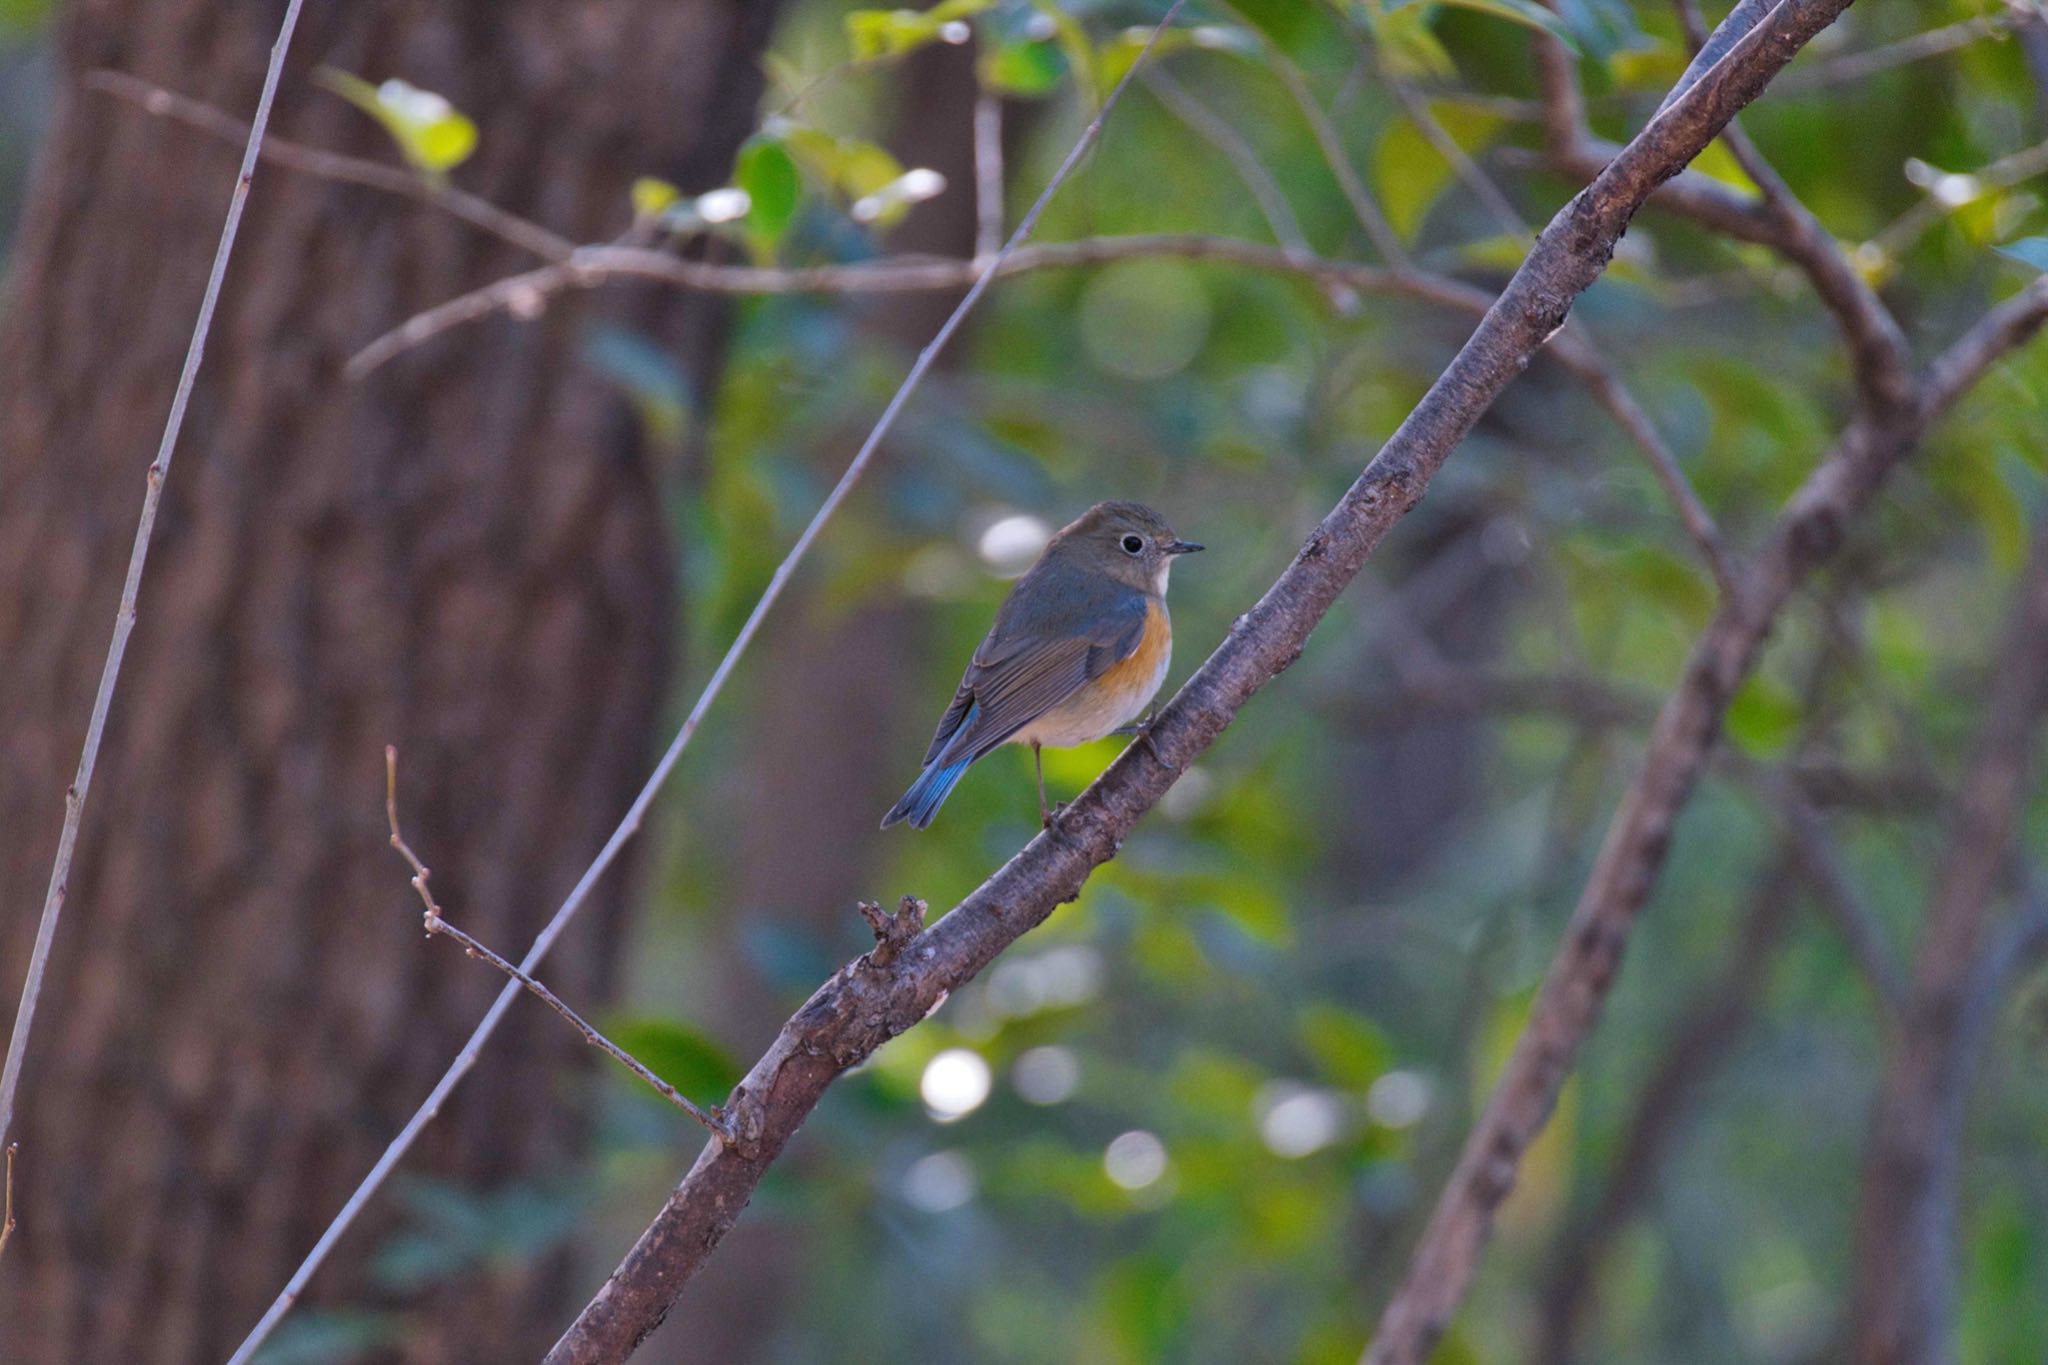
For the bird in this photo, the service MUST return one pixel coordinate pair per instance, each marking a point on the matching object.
(1078, 649)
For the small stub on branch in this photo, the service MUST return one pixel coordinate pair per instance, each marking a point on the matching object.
(892, 932)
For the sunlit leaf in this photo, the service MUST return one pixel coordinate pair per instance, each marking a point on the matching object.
(653, 196)
(1412, 50)
(1025, 69)
(887, 203)
(430, 132)
(1410, 174)
(768, 174)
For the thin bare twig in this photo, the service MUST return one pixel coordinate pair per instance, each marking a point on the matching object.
(1944, 194)
(124, 616)
(525, 295)
(7, 1215)
(1708, 1029)
(1836, 895)
(1593, 367)
(1852, 67)
(988, 175)
(637, 812)
(1881, 362)
(351, 170)
(435, 921)
(1242, 156)
(1893, 412)
(1363, 207)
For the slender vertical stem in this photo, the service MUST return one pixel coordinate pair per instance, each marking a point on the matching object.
(138, 558)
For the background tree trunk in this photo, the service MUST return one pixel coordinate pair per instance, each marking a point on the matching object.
(464, 556)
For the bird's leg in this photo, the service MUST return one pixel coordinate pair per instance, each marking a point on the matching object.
(1038, 762)
(1137, 728)
(1141, 730)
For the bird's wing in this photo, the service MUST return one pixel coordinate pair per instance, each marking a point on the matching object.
(1025, 667)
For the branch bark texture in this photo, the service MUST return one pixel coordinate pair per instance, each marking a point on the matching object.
(866, 1003)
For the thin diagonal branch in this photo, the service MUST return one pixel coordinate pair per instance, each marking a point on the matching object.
(863, 1006)
(349, 170)
(1243, 158)
(1363, 206)
(435, 921)
(1708, 1028)
(1851, 67)
(1835, 893)
(138, 558)
(637, 812)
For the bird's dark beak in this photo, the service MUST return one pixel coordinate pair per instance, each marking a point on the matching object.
(1183, 547)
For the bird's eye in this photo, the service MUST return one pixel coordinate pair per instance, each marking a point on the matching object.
(1133, 544)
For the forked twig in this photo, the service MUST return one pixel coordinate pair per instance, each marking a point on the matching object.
(436, 922)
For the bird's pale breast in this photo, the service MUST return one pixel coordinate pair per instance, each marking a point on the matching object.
(1116, 698)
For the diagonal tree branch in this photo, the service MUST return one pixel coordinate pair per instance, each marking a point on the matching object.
(1905, 1230)
(1707, 1031)
(866, 1004)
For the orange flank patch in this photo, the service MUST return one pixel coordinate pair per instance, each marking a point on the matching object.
(1145, 663)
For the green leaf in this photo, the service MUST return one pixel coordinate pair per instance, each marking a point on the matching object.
(2028, 251)
(1410, 174)
(875, 33)
(1527, 13)
(768, 174)
(872, 33)
(1411, 49)
(1763, 717)
(1349, 1049)
(431, 133)
(685, 1059)
(1025, 69)
(1080, 53)
(653, 196)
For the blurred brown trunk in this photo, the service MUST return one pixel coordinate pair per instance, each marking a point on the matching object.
(464, 556)
(1906, 1235)
(830, 744)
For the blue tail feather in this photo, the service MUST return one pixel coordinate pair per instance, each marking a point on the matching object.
(941, 773)
(927, 794)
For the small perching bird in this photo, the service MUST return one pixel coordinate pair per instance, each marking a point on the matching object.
(1079, 647)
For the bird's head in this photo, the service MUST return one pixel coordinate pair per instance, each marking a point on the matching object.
(1126, 540)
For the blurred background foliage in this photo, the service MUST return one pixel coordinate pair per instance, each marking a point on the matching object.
(1200, 1115)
